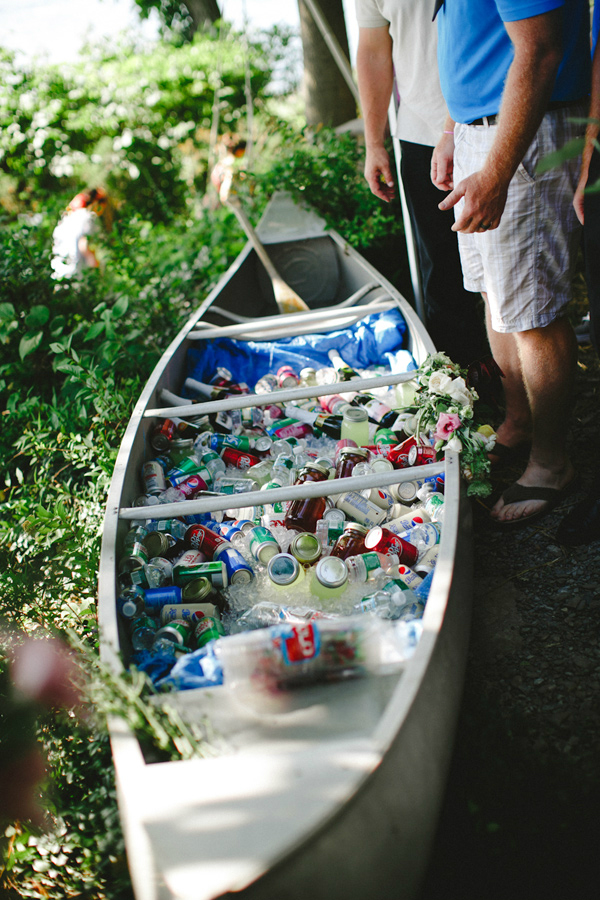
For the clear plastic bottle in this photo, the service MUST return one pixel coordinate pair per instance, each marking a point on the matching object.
(424, 537)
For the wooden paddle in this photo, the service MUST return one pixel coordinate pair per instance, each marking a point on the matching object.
(286, 298)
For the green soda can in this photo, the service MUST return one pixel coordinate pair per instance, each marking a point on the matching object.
(207, 629)
(214, 571)
(385, 436)
(262, 544)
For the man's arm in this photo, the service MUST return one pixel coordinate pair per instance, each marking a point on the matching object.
(591, 134)
(442, 159)
(375, 82)
(528, 88)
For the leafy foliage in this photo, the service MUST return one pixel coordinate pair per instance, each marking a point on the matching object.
(75, 354)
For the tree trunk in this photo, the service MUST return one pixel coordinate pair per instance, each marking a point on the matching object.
(202, 11)
(328, 99)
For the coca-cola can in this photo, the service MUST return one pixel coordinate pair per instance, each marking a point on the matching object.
(421, 455)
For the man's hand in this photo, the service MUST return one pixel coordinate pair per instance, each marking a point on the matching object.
(378, 173)
(442, 163)
(485, 199)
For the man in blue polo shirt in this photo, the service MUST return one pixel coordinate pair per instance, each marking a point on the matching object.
(514, 74)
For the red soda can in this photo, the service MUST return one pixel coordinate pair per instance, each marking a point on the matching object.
(202, 538)
(286, 377)
(382, 540)
(238, 458)
(421, 455)
(398, 455)
(163, 434)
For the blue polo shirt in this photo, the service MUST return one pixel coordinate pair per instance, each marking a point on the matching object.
(475, 52)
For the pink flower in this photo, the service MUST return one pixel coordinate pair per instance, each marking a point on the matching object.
(446, 426)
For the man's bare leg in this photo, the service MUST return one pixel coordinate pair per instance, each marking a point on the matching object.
(516, 427)
(548, 359)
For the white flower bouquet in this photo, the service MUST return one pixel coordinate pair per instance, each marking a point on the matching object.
(446, 414)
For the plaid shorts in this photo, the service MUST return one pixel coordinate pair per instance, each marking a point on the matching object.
(526, 265)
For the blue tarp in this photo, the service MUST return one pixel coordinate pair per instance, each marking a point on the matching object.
(378, 339)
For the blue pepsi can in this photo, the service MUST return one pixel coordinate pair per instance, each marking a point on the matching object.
(238, 570)
(230, 531)
(156, 598)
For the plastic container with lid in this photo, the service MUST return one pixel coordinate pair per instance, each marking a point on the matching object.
(306, 548)
(284, 571)
(329, 578)
(355, 424)
(351, 542)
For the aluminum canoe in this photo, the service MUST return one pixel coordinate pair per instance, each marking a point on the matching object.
(337, 796)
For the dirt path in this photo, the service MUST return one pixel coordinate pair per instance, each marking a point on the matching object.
(521, 817)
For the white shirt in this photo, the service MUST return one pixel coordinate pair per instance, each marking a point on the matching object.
(67, 258)
(421, 109)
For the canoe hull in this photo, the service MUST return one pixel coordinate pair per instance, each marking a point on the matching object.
(338, 794)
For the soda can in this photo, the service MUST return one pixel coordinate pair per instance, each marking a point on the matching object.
(207, 629)
(239, 459)
(156, 598)
(406, 491)
(382, 540)
(286, 377)
(398, 455)
(153, 477)
(214, 570)
(191, 558)
(199, 537)
(360, 509)
(232, 533)
(381, 464)
(178, 631)
(159, 572)
(238, 570)
(262, 445)
(407, 576)
(262, 544)
(238, 441)
(191, 612)
(176, 477)
(421, 455)
(404, 523)
(191, 485)
(162, 434)
(380, 497)
(135, 558)
(246, 525)
(385, 436)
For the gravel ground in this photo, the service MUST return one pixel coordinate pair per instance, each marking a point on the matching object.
(521, 816)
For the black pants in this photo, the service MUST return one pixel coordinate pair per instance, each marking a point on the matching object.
(591, 249)
(455, 317)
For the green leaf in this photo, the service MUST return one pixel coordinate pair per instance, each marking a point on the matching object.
(7, 312)
(57, 326)
(37, 317)
(120, 307)
(29, 343)
(569, 151)
(94, 330)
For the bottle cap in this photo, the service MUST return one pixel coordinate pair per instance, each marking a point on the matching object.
(283, 568)
(331, 572)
